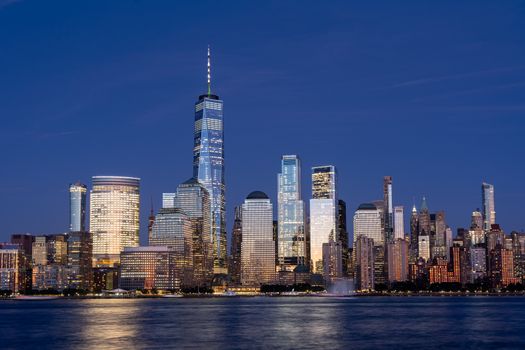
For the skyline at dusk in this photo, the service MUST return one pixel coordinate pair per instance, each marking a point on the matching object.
(109, 89)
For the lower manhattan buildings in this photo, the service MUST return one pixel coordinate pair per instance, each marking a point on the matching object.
(258, 245)
(114, 217)
(323, 214)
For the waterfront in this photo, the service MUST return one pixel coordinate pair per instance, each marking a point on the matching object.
(264, 322)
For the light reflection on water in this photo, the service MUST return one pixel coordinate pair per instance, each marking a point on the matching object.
(290, 322)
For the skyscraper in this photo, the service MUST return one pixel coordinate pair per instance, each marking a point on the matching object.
(114, 217)
(208, 166)
(398, 260)
(291, 246)
(173, 229)
(77, 207)
(234, 269)
(79, 260)
(414, 234)
(323, 213)
(388, 209)
(258, 246)
(193, 199)
(399, 224)
(364, 263)
(367, 222)
(489, 210)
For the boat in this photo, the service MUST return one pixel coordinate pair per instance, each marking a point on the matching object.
(173, 296)
(229, 293)
(36, 297)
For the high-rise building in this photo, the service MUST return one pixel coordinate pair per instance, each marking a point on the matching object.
(388, 209)
(489, 210)
(12, 268)
(114, 217)
(167, 200)
(77, 207)
(208, 166)
(79, 260)
(25, 242)
(424, 219)
(332, 261)
(399, 225)
(343, 234)
(364, 263)
(173, 229)
(398, 260)
(236, 242)
(193, 199)
(367, 222)
(476, 220)
(258, 246)
(291, 243)
(414, 235)
(424, 247)
(323, 213)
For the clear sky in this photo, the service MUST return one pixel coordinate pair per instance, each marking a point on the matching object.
(432, 93)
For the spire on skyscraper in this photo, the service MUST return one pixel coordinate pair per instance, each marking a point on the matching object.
(424, 205)
(209, 71)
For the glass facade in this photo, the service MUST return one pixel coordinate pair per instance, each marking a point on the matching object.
(173, 229)
(77, 207)
(79, 259)
(489, 211)
(114, 217)
(291, 234)
(399, 224)
(193, 199)
(258, 246)
(323, 213)
(367, 223)
(208, 168)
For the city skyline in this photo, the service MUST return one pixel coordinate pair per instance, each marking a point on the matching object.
(360, 179)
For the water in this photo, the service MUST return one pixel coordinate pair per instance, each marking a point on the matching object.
(264, 322)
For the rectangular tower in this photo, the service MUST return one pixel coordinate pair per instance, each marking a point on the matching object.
(291, 248)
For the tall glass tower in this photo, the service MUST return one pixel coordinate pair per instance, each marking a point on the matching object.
(489, 211)
(77, 207)
(208, 167)
(291, 237)
(323, 213)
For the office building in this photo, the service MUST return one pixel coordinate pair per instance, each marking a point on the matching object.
(399, 224)
(364, 263)
(194, 201)
(12, 268)
(208, 166)
(489, 210)
(236, 243)
(398, 260)
(258, 246)
(77, 207)
(323, 213)
(79, 260)
(291, 242)
(114, 217)
(153, 267)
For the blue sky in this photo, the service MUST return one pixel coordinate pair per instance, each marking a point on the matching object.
(432, 93)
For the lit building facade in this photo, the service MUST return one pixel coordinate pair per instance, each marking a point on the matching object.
(114, 217)
(364, 263)
(174, 229)
(399, 224)
(388, 209)
(332, 261)
(398, 260)
(12, 268)
(167, 200)
(424, 247)
(79, 260)
(153, 267)
(323, 213)
(208, 167)
(489, 210)
(291, 242)
(258, 245)
(77, 207)
(234, 269)
(194, 201)
(367, 223)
